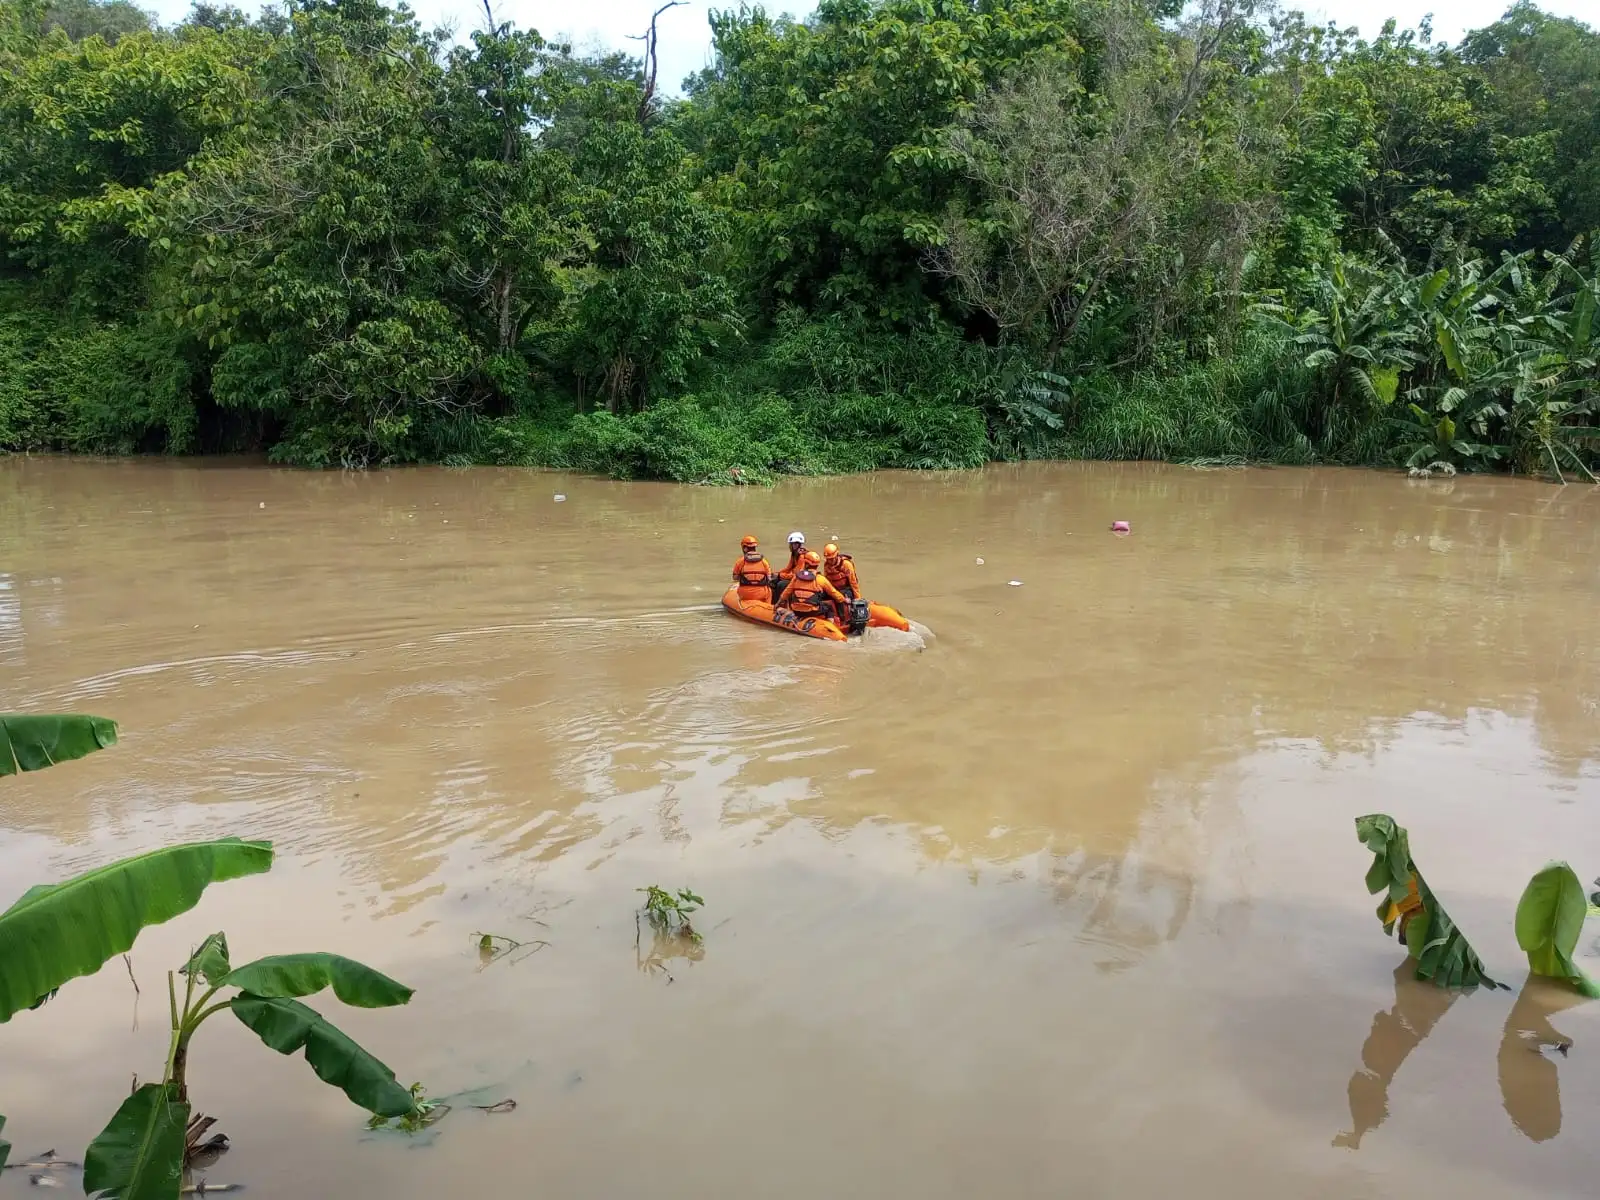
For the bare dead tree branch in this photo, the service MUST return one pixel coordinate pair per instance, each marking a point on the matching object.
(652, 60)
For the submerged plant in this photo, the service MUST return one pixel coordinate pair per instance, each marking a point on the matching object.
(492, 947)
(1550, 917)
(1411, 911)
(423, 1112)
(668, 912)
(144, 1145)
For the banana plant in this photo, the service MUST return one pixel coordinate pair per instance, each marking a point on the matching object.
(1425, 438)
(139, 1155)
(1511, 358)
(1362, 336)
(1411, 911)
(55, 933)
(1498, 363)
(1549, 920)
(1548, 416)
(1550, 917)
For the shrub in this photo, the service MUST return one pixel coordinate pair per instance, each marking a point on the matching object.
(98, 388)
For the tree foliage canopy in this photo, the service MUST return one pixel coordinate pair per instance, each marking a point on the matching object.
(1037, 227)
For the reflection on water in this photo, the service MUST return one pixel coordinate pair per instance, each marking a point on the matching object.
(1395, 1034)
(1527, 1066)
(1527, 1061)
(1073, 883)
(664, 947)
(10, 617)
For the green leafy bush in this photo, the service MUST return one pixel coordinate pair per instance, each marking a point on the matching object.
(94, 388)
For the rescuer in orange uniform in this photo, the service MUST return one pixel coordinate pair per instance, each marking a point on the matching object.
(840, 570)
(809, 594)
(797, 555)
(752, 573)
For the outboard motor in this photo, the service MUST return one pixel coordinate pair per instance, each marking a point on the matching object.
(858, 618)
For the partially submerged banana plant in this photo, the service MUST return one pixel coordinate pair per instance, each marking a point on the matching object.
(1550, 917)
(55, 933)
(141, 1152)
(1411, 911)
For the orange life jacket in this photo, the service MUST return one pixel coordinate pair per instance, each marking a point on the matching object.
(752, 572)
(841, 572)
(793, 568)
(802, 594)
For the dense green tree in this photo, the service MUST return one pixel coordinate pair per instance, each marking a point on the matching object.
(1541, 81)
(512, 210)
(653, 297)
(897, 233)
(90, 130)
(828, 137)
(105, 19)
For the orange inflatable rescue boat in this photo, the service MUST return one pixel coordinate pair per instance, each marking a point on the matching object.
(863, 615)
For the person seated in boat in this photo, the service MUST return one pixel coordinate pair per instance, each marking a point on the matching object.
(797, 555)
(809, 594)
(840, 570)
(752, 573)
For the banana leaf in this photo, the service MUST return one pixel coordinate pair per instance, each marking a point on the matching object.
(139, 1155)
(31, 743)
(210, 961)
(288, 975)
(1435, 285)
(57, 932)
(287, 1025)
(1550, 917)
(1441, 951)
(5, 1146)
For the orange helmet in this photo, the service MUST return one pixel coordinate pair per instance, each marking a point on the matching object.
(813, 559)
(748, 542)
(831, 550)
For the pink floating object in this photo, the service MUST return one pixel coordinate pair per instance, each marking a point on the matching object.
(1121, 527)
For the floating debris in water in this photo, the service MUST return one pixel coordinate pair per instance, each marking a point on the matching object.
(1016, 583)
(504, 1106)
(979, 562)
(45, 1162)
(1121, 527)
(560, 498)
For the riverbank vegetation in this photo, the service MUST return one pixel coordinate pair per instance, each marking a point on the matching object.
(903, 233)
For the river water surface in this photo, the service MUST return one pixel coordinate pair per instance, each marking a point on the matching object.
(1067, 902)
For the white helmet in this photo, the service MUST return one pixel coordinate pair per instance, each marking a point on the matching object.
(797, 536)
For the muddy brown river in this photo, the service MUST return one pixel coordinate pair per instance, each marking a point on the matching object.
(1065, 899)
